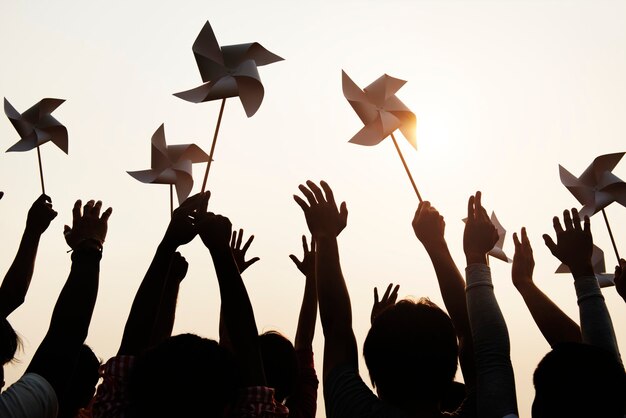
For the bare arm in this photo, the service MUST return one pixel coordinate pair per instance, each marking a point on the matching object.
(215, 231)
(17, 280)
(164, 323)
(553, 323)
(141, 322)
(308, 310)
(57, 354)
(429, 228)
(325, 222)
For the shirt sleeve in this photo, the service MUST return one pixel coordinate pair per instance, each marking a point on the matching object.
(496, 383)
(303, 401)
(111, 399)
(595, 321)
(258, 401)
(30, 397)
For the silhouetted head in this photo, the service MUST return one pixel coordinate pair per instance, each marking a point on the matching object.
(83, 383)
(280, 363)
(183, 376)
(411, 354)
(579, 380)
(9, 343)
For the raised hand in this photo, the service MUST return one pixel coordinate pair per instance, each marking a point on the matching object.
(239, 252)
(523, 261)
(178, 267)
(183, 225)
(40, 215)
(480, 234)
(322, 216)
(428, 225)
(389, 299)
(307, 265)
(87, 226)
(574, 244)
(620, 279)
(214, 230)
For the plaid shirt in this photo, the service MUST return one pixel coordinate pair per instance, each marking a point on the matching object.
(111, 400)
(258, 402)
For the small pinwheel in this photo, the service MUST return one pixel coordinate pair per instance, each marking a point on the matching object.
(171, 164)
(36, 126)
(497, 250)
(597, 187)
(228, 71)
(382, 113)
(599, 268)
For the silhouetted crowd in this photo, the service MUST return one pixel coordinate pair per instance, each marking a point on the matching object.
(411, 350)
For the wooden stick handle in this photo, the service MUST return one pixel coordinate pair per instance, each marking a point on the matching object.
(606, 220)
(43, 188)
(217, 130)
(171, 200)
(406, 167)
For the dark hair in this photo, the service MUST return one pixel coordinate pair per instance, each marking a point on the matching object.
(185, 375)
(279, 362)
(9, 341)
(579, 380)
(411, 353)
(83, 382)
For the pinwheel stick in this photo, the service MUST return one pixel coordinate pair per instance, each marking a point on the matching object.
(43, 188)
(171, 200)
(406, 167)
(217, 130)
(606, 220)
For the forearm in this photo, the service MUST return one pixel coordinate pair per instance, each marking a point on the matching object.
(145, 309)
(164, 323)
(72, 313)
(496, 383)
(308, 315)
(553, 323)
(17, 280)
(238, 315)
(452, 287)
(595, 321)
(335, 309)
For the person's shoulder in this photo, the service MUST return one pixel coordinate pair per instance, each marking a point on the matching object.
(31, 396)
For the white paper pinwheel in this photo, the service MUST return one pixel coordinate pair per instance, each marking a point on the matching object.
(36, 126)
(497, 250)
(171, 164)
(228, 71)
(379, 109)
(599, 268)
(597, 187)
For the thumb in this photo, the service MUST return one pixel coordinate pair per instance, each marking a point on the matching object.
(66, 230)
(550, 244)
(343, 211)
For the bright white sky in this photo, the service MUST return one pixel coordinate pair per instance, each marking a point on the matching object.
(504, 91)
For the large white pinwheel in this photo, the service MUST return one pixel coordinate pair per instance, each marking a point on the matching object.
(228, 71)
(379, 109)
(171, 164)
(382, 113)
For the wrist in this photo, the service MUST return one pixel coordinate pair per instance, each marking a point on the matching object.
(582, 270)
(167, 245)
(476, 259)
(437, 247)
(524, 286)
(32, 232)
(89, 244)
